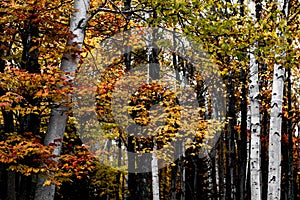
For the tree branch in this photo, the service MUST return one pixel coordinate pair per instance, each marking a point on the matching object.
(118, 11)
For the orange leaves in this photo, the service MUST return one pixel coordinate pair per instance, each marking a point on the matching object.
(47, 183)
(104, 91)
(24, 155)
(78, 165)
(16, 148)
(51, 19)
(103, 24)
(29, 90)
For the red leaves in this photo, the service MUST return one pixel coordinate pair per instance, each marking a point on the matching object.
(78, 164)
(18, 150)
(5, 104)
(58, 140)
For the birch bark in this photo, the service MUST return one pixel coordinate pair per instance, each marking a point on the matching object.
(58, 118)
(274, 173)
(255, 146)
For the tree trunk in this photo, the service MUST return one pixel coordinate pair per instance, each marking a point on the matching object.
(255, 145)
(231, 168)
(247, 172)
(28, 35)
(255, 163)
(11, 185)
(242, 141)
(155, 177)
(274, 176)
(153, 70)
(221, 165)
(274, 173)
(58, 118)
(290, 141)
(242, 137)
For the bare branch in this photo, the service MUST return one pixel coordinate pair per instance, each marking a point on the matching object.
(118, 11)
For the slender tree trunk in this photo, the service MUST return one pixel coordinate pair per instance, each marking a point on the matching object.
(132, 182)
(175, 168)
(221, 164)
(247, 181)
(242, 141)
(231, 168)
(155, 177)
(215, 176)
(242, 137)
(290, 141)
(28, 36)
(154, 70)
(11, 185)
(182, 178)
(131, 147)
(274, 173)
(274, 176)
(9, 127)
(210, 175)
(58, 118)
(119, 175)
(255, 145)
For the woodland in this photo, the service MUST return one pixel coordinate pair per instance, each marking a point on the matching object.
(45, 45)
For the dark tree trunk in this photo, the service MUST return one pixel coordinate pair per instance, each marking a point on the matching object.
(290, 145)
(11, 185)
(242, 141)
(214, 189)
(222, 167)
(30, 47)
(231, 161)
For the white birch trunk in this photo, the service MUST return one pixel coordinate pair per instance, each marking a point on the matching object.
(218, 189)
(274, 176)
(154, 162)
(248, 145)
(209, 174)
(58, 118)
(155, 177)
(255, 144)
(274, 173)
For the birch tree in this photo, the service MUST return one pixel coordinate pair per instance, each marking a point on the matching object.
(255, 146)
(274, 172)
(58, 118)
(153, 74)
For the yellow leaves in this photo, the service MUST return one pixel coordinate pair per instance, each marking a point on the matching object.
(17, 150)
(41, 93)
(47, 183)
(21, 88)
(43, 170)
(30, 169)
(52, 19)
(24, 169)
(224, 72)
